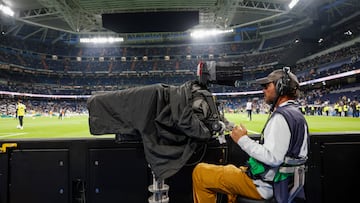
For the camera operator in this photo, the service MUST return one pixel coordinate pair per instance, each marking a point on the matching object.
(285, 135)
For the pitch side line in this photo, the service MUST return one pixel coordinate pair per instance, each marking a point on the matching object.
(10, 135)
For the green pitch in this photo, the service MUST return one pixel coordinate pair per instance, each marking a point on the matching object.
(47, 128)
(77, 126)
(316, 123)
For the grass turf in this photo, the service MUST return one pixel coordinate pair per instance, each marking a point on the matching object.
(316, 123)
(45, 127)
(77, 126)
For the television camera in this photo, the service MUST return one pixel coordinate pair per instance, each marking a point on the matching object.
(171, 121)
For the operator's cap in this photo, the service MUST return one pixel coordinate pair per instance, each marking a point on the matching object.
(278, 74)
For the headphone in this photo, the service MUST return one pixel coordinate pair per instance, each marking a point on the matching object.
(283, 84)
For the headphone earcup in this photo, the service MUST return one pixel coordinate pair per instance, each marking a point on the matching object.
(279, 87)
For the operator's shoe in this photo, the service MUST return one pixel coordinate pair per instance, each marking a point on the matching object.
(21, 127)
(18, 126)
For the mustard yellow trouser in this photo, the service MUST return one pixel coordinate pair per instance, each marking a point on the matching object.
(209, 179)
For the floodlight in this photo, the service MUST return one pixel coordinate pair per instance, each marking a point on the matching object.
(293, 3)
(98, 40)
(6, 10)
(202, 33)
(348, 32)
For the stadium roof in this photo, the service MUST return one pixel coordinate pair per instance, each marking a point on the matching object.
(67, 20)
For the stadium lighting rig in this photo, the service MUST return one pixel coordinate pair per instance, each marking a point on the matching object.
(6, 10)
(293, 3)
(203, 33)
(101, 40)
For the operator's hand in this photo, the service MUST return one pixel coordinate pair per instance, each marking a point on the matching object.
(238, 132)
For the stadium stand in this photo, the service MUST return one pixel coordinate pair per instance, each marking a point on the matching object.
(50, 71)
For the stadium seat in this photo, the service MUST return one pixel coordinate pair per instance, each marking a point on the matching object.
(295, 166)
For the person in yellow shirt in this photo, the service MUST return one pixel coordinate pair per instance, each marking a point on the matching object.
(326, 109)
(357, 109)
(20, 109)
(336, 108)
(340, 110)
(346, 109)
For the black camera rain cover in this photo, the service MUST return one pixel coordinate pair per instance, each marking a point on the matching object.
(162, 115)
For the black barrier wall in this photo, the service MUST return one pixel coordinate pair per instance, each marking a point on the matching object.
(333, 168)
(101, 170)
(89, 170)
